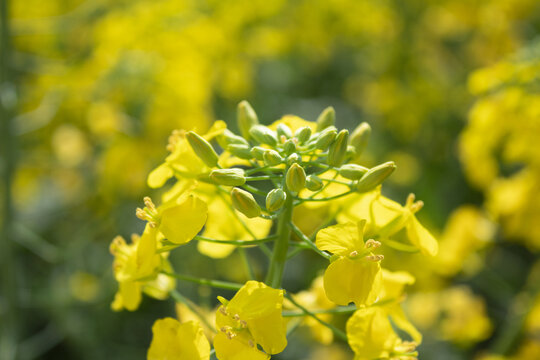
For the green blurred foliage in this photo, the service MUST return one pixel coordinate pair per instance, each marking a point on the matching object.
(98, 86)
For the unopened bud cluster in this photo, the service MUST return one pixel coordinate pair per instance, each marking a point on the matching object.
(291, 160)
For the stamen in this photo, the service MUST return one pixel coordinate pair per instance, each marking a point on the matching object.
(243, 323)
(417, 206)
(250, 342)
(373, 244)
(223, 311)
(374, 258)
(410, 200)
(236, 317)
(353, 253)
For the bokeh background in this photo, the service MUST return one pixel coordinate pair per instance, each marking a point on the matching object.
(90, 91)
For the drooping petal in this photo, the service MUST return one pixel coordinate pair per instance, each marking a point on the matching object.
(269, 331)
(128, 296)
(175, 341)
(180, 223)
(235, 349)
(159, 176)
(370, 334)
(357, 281)
(420, 237)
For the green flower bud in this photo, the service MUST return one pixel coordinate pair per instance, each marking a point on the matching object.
(258, 152)
(244, 202)
(326, 119)
(289, 147)
(241, 151)
(326, 137)
(202, 148)
(284, 130)
(352, 171)
(295, 178)
(314, 183)
(231, 177)
(263, 135)
(303, 134)
(359, 137)
(293, 158)
(246, 118)
(375, 176)
(228, 138)
(275, 200)
(338, 149)
(272, 158)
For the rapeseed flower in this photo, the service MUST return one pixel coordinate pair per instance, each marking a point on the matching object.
(252, 317)
(173, 340)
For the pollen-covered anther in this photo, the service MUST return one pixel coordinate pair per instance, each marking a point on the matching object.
(251, 343)
(374, 257)
(223, 311)
(417, 206)
(230, 334)
(236, 317)
(243, 323)
(353, 253)
(173, 140)
(406, 346)
(149, 204)
(144, 214)
(373, 244)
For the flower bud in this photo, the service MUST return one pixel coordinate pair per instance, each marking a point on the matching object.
(231, 177)
(359, 137)
(263, 135)
(275, 200)
(202, 148)
(352, 171)
(326, 118)
(241, 151)
(375, 176)
(303, 134)
(338, 149)
(246, 118)
(293, 158)
(326, 137)
(272, 158)
(284, 130)
(295, 178)
(289, 147)
(228, 138)
(258, 152)
(314, 183)
(244, 202)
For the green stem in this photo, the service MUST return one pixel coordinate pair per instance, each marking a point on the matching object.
(213, 283)
(308, 241)
(339, 333)
(237, 242)
(326, 198)
(279, 256)
(338, 310)
(261, 178)
(179, 298)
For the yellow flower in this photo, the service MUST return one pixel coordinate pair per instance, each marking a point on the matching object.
(356, 273)
(178, 220)
(252, 317)
(182, 160)
(386, 218)
(371, 336)
(175, 341)
(133, 264)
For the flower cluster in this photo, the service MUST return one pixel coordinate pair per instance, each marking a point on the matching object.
(263, 180)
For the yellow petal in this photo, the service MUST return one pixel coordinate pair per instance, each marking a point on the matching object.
(394, 282)
(370, 333)
(254, 300)
(234, 349)
(159, 176)
(401, 321)
(175, 341)
(420, 237)
(357, 281)
(128, 296)
(180, 223)
(269, 331)
(339, 239)
(147, 259)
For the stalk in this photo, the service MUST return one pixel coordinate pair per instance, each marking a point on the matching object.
(279, 256)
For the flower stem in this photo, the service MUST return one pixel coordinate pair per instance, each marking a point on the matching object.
(214, 283)
(279, 256)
